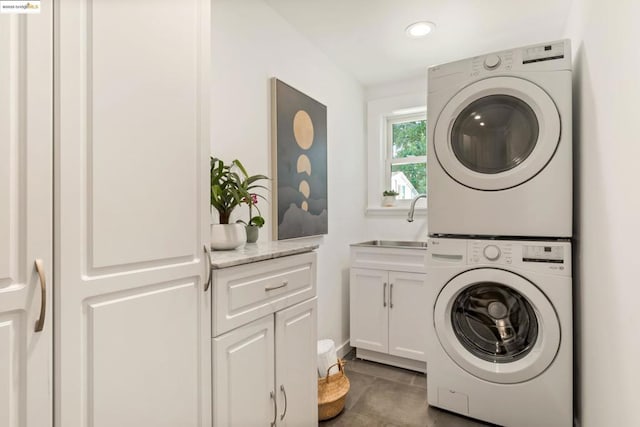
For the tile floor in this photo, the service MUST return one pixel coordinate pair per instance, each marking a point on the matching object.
(384, 396)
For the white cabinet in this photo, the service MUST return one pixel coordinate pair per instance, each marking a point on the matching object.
(388, 310)
(265, 370)
(115, 205)
(132, 320)
(26, 117)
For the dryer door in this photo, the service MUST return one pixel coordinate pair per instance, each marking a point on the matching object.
(497, 133)
(496, 325)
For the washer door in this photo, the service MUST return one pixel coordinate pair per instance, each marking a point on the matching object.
(497, 133)
(496, 325)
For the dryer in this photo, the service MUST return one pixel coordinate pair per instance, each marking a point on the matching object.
(500, 151)
(500, 345)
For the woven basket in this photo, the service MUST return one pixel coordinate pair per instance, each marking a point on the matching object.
(332, 392)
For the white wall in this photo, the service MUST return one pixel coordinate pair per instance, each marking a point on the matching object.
(605, 39)
(251, 44)
(382, 225)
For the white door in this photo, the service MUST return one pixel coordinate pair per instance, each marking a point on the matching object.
(369, 309)
(296, 365)
(243, 366)
(497, 133)
(131, 214)
(408, 315)
(26, 139)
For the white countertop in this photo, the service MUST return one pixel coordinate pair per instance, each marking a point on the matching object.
(252, 252)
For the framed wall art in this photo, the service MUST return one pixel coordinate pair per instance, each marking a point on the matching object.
(299, 140)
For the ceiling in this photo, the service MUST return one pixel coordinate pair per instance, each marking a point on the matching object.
(366, 37)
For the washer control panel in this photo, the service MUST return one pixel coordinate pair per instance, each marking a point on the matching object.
(543, 253)
(483, 252)
(504, 252)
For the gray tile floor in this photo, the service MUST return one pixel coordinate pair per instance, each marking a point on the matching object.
(384, 396)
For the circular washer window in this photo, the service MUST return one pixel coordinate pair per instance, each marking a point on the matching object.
(494, 322)
(494, 134)
(496, 325)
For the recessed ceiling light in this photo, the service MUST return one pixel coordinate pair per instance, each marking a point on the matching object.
(481, 123)
(477, 117)
(419, 29)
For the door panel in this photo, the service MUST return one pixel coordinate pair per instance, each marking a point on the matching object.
(132, 212)
(131, 355)
(408, 316)
(12, 369)
(244, 371)
(141, 113)
(369, 309)
(296, 365)
(26, 92)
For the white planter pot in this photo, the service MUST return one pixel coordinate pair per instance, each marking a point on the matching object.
(225, 237)
(388, 201)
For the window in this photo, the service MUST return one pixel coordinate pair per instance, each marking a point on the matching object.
(406, 155)
(396, 165)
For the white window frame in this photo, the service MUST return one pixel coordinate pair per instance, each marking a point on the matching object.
(389, 160)
(379, 112)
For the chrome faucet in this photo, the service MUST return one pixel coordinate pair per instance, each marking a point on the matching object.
(413, 206)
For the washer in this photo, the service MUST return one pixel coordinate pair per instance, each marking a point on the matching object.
(500, 346)
(499, 153)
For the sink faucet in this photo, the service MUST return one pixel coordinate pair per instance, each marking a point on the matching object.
(413, 206)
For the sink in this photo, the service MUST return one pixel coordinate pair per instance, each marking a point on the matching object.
(393, 244)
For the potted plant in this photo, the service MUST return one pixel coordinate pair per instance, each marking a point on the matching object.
(231, 186)
(389, 197)
(255, 222)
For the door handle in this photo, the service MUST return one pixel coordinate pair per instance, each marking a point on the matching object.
(275, 409)
(391, 296)
(206, 251)
(384, 294)
(284, 413)
(43, 292)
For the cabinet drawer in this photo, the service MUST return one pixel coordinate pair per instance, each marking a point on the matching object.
(247, 292)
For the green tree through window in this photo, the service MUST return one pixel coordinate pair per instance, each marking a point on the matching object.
(408, 153)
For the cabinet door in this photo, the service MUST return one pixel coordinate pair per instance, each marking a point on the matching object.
(408, 315)
(243, 367)
(369, 309)
(26, 141)
(296, 365)
(132, 334)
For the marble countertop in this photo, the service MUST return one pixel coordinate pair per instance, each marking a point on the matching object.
(252, 252)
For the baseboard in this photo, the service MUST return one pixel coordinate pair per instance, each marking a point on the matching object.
(344, 349)
(388, 359)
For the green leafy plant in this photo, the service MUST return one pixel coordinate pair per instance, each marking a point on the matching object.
(232, 186)
(390, 193)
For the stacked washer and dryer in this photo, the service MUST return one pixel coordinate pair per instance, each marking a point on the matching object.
(500, 346)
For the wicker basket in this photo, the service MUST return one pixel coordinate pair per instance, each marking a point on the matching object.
(332, 392)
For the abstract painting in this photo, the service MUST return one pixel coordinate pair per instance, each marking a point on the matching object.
(299, 135)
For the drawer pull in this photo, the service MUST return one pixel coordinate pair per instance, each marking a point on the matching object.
(273, 288)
